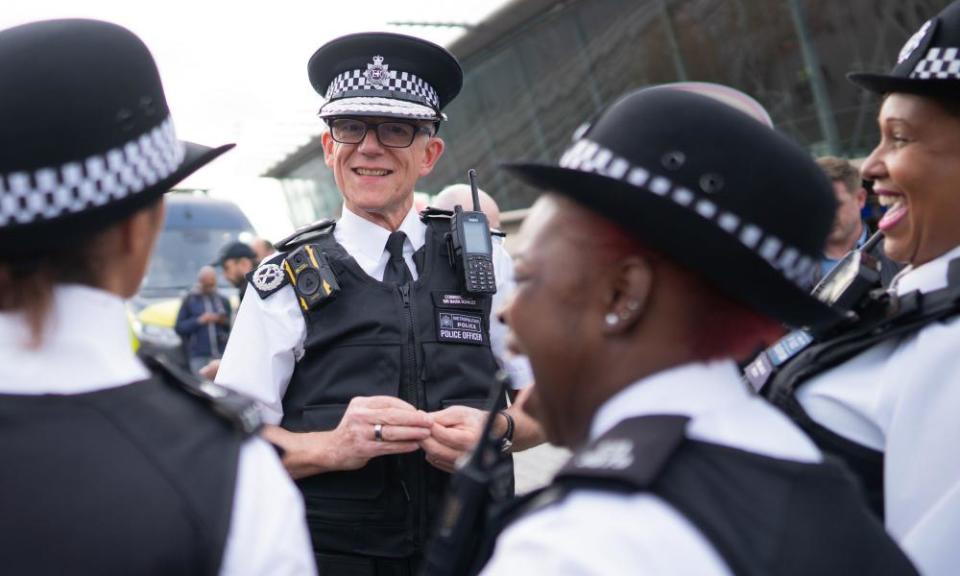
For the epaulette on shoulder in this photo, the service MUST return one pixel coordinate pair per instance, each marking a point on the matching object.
(431, 213)
(269, 277)
(235, 408)
(306, 234)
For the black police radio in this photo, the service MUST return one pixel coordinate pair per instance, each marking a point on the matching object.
(472, 246)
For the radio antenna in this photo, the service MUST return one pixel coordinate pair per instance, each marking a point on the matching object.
(472, 175)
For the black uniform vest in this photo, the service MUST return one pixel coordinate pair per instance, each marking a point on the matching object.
(907, 315)
(763, 515)
(137, 479)
(424, 342)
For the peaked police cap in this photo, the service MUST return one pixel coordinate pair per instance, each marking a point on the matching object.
(384, 74)
(87, 137)
(709, 186)
(929, 62)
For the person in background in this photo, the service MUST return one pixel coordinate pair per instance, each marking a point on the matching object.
(849, 230)
(881, 392)
(237, 259)
(203, 321)
(111, 465)
(263, 249)
(461, 194)
(654, 260)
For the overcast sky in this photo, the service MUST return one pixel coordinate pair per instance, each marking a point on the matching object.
(236, 71)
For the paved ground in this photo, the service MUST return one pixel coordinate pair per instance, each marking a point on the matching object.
(535, 467)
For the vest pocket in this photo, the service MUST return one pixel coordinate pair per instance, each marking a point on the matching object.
(367, 483)
(456, 371)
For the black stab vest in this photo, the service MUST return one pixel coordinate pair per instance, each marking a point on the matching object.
(763, 515)
(901, 317)
(137, 479)
(425, 342)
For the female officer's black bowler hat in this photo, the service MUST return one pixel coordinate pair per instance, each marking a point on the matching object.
(87, 137)
(928, 64)
(710, 187)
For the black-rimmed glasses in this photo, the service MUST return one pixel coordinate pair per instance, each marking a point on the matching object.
(390, 134)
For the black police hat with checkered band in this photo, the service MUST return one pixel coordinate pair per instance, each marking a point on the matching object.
(929, 62)
(384, 74)
(87, 137)
(710, 187)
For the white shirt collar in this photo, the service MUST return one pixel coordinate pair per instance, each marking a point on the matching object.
(927, 277)
(86, 346)
(689, 390)
(370, 240)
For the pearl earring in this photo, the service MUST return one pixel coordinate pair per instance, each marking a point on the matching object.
(611, 319)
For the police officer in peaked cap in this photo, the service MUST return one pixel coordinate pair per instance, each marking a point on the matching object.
(879, 391)
(347, 344)
(665, 248)
(110, 465)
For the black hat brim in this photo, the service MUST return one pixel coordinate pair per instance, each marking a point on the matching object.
(39, 237)
(886, 84)
(682, 235)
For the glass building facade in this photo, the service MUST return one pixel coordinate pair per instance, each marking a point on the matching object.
(536, 69)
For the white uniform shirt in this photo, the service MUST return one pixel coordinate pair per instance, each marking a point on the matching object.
(87, 348)
(597, 532)
(902, 396)
(268, 335)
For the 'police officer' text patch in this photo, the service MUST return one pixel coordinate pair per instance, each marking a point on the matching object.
(460, 327)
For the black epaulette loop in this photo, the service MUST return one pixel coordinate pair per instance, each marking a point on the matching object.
(431, 213)
(235, 408)
(306, 234)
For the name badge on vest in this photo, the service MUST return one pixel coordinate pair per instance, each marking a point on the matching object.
(763, 367)
(460, 326)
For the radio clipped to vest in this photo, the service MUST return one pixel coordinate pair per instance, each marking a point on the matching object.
(311, 276)
(471, 246)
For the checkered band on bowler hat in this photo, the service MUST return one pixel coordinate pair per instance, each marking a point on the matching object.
(88, 138)
(382, 74)
(709, 186)
(928, 63)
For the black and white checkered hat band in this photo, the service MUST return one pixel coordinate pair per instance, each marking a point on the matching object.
(54, 191)
(402, 85)
(588, 156)
(939, 63)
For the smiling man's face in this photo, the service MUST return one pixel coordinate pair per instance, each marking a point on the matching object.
(377, 182)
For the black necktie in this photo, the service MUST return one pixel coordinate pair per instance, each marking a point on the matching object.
(396, 271)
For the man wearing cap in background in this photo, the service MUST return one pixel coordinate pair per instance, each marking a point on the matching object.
(237, 259)
(668, 248)
(111, 464)
(342, 345)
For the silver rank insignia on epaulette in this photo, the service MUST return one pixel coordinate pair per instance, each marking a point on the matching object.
(269, 277)
(608, 454)
(311, 276)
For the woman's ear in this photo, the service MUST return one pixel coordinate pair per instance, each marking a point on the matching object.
(631, 288)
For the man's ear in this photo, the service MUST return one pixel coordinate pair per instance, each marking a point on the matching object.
(326, 139)
(861, 195)
(433, 152)
(630, 292)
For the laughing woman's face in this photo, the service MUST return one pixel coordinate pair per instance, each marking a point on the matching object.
(916, 174)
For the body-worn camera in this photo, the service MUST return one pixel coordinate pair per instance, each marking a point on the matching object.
(472, 246)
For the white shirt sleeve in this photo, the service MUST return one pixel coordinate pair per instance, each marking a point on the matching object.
(517, 366)
(920, 410)
(264, 345)
(268, 530)
(594, 533)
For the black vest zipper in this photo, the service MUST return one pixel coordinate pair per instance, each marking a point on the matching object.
(415, 395)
